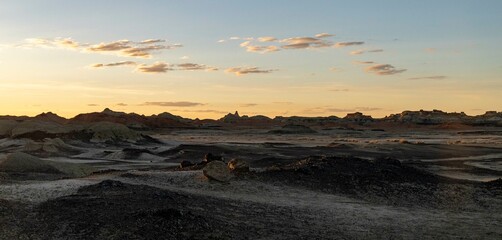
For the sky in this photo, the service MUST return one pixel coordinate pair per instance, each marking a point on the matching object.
(275, 58)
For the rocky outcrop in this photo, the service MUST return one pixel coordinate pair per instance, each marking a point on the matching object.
(217, 170)
(238, 165)
(293, 129)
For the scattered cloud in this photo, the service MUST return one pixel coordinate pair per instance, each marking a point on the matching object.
(361, 51)
(185, 58)
(356, 109)
(262, 49)
(428, 78)
(173, 104)
(334, 69)
(142, 49)
(92, 105)
(347, 44)
(276, 44)
(267, 39)
(157, 67)
(123, 63)
(202, 111)
(305, 42)
(383, 69)
(248, 105)
(363, 62)
(150, 41)
(323, 35)
(247, 70)
(195, 66)
(122, 104)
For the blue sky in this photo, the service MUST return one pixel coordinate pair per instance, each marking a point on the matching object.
(420, 54)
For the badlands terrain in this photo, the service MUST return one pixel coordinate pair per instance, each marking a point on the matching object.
(113, 175)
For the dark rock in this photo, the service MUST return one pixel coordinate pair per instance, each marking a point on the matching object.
(217, 170)
(238, 165)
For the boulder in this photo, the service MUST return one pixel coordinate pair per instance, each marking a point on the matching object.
(238, 165)
(217, 170)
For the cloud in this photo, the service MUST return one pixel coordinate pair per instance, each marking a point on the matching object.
(123, 63)
(150, 41)
(248, 105)
(203, 111)
(305, 42)
(323, 35)
(127, 48)
(267, 39)
(363, 62)
(334, 69)
(275, 44)
(247, 70)
(262, 49)
(66, 43)
(346, 44)
(429, 78)
(92, 105)
(142, 49)
(121, 104)
(195, 66)
(356, 109)
(361, 51)
(173, 104)
(357, 52)
(157, 67)
(383, 69)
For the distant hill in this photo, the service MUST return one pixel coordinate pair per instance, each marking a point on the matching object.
(235, 120)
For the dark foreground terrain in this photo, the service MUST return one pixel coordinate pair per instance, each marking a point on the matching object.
(331, 183)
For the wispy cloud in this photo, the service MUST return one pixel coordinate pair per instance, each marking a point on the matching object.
(275, 44)
(323, 35)
(267, 39)
(92, 105)
(428, 78)
(173, 104)
(347, 44)
(157, 67)
(123, 63)
(363, 62)
(247, 70)
(141, 49)
(195, 66)
(383, 69)
(248, 105)
(362, 51)
(121, 104)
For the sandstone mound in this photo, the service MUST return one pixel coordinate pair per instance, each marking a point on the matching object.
(217, 170)
(112, 132)
(51, 147)
(24, 163)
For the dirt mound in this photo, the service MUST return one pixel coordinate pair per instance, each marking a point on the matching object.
(22, 163)
(25, 163)
(115, 210)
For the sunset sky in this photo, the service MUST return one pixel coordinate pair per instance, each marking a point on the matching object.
(206, 58)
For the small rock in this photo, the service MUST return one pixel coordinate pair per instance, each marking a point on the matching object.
(217, 170)
(186, 163)
(238, 165)
(210, 157)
